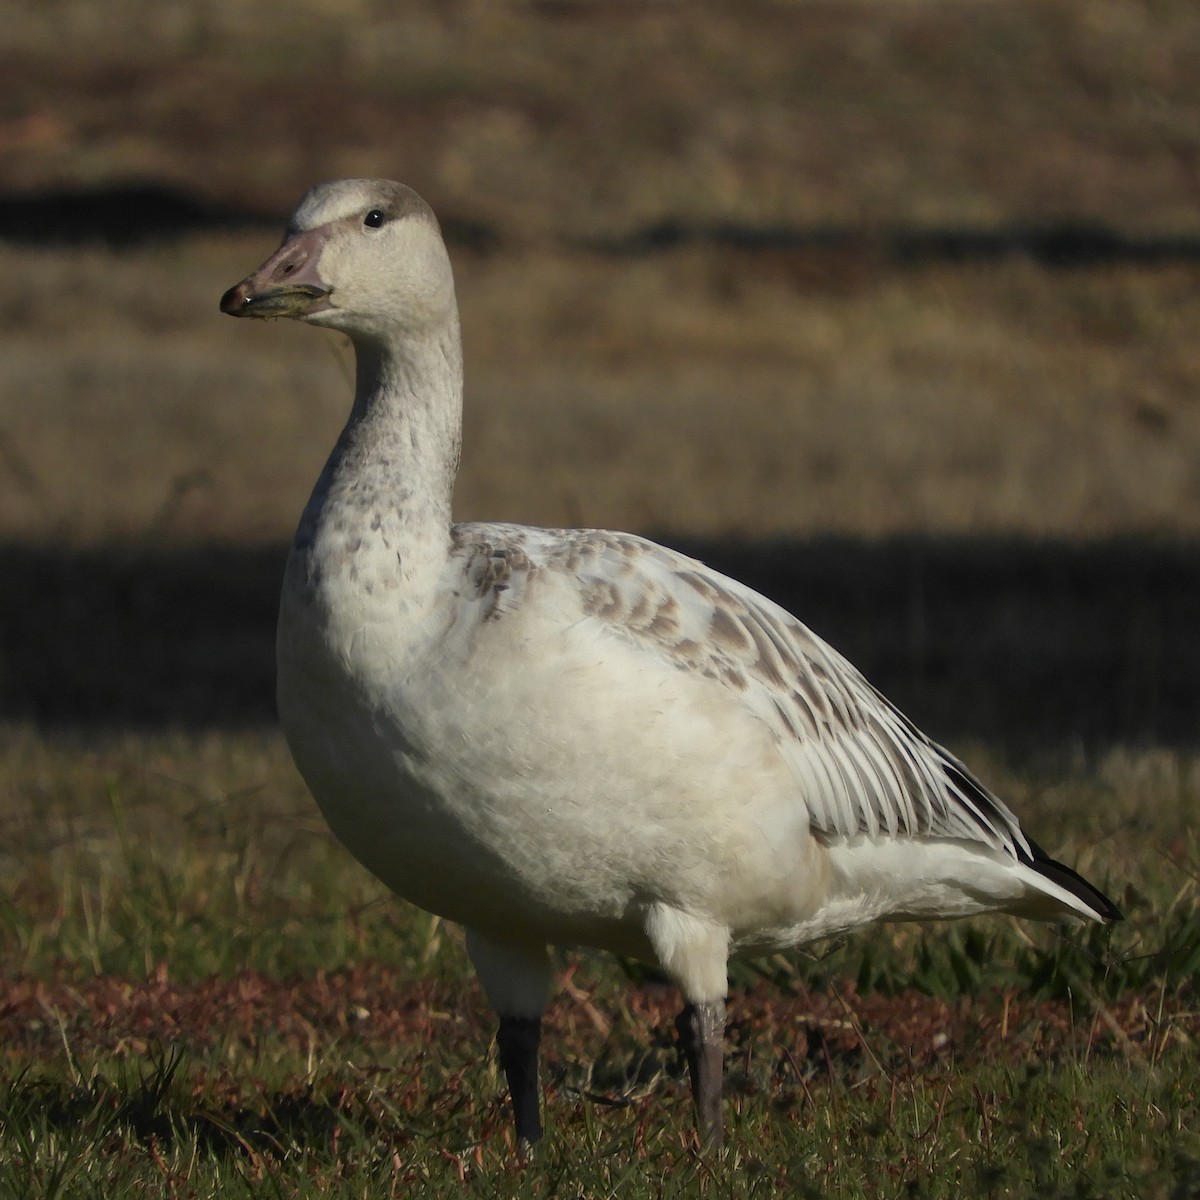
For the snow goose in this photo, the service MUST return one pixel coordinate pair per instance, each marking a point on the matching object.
(578, 737)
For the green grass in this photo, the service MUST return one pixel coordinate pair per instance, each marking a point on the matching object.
(204, 996)
(166, 1127)
(182, 851)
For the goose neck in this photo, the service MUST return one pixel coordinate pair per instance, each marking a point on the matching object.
(406, 422)
(388, 483)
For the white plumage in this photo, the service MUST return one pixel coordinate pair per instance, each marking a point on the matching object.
(575, 736)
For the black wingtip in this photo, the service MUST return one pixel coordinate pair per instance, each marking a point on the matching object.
(1074, 883)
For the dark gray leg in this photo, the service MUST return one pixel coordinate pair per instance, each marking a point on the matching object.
(517, 1041)
(702, 1035)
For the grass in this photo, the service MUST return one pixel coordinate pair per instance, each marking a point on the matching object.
(1012, 1132)
(746, 389)
(124, 852)
(692, 391)
(584, 119)
(203, 994)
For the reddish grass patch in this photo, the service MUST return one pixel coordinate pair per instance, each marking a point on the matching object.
(371, 1007)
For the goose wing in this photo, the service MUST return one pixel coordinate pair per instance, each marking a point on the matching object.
(862, 767)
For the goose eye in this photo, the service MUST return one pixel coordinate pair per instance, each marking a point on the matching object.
(375, 218)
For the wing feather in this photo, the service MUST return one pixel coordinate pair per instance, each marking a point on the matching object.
(860, 765)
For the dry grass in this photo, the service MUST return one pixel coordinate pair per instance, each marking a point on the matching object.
(705, 390)
(592, 117)
(699, 391)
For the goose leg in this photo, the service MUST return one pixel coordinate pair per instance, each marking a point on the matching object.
(517, 978)
(702, 1034)
(517, 1041)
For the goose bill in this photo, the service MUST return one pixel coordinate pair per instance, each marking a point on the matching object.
(283, 300)
(288, 284)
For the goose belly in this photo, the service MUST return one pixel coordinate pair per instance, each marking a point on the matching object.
(449, 843)
(558, 810)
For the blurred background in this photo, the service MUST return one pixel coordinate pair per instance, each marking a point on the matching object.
(889, 308)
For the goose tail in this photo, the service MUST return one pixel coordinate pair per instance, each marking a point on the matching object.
(1066, 888)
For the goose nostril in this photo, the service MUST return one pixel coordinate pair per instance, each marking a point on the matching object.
(289, 268)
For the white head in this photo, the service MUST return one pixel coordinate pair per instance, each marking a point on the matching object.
(364, 256)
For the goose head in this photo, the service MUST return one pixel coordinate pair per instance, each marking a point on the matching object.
(364, 256)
